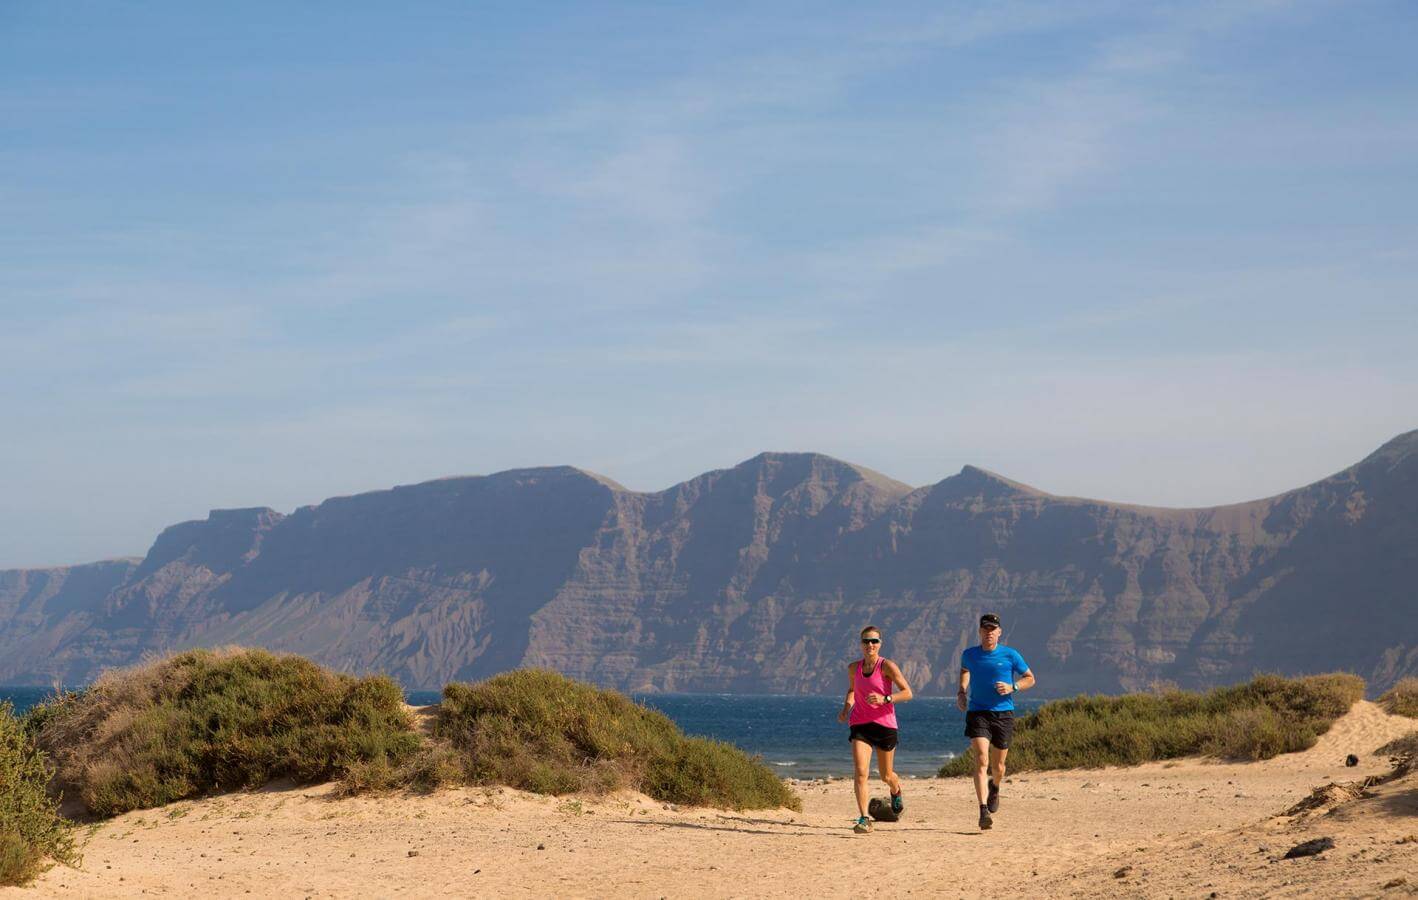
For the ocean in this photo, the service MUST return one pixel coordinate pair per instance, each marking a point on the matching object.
(799, 737)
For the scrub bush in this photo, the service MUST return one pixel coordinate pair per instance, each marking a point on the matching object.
(208, 720)
(1402, 698)
(1260, 719)
(543, 732)
(31, 830)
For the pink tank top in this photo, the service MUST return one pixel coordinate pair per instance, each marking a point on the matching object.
(875, 683)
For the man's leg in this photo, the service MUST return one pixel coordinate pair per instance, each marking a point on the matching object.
(980, 746)
(997, 755)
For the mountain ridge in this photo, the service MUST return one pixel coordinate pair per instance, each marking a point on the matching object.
(747, 578)
(1401, 446)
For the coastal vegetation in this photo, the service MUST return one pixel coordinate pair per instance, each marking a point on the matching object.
(543, 732)
(212, 720)
(31, 829)
(1260, 719)
(1402, 698)
(208, 720)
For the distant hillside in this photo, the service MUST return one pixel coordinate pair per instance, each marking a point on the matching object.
(756, 579)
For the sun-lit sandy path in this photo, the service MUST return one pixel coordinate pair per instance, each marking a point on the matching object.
(1056, 833)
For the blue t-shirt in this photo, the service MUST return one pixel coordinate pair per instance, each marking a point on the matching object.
(985, 668)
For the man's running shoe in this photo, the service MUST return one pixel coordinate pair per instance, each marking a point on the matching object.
(897, 804)
(986, 823)
(863, 825)
(993, 803)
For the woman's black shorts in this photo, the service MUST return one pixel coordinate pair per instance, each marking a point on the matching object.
(879, 736)
(998, 726)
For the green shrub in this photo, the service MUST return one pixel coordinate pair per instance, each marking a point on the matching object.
(540, 731)
(433, 766)
(208, 720)
(1402, 698)
(31, 829)
(1260, 719)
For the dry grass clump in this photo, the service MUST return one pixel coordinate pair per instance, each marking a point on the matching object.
(541, 731)
(1402, 698)
(208, 720)
(31, 830)
(1404, 748)
(1257, 720)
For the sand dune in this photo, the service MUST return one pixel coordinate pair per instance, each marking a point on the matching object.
(1173, 829)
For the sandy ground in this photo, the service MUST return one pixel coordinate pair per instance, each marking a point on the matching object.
(1180, 829)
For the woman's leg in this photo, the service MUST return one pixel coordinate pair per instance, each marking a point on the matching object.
(861, 761)
(888, 774)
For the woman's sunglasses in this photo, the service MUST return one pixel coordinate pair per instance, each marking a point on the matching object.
(871, 640)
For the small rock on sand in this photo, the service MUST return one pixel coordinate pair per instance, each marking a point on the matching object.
(1310, 848)
(1351, 760)
(1124, 872)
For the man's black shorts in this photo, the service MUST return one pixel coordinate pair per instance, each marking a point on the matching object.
(879, 736)
(997, 726)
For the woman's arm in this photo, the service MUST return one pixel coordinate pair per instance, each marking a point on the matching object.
(902, 692)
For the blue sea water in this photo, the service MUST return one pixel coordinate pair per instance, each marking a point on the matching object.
(22, 698)
(799, 736)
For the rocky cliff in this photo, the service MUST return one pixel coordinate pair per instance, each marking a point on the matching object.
(757, 579)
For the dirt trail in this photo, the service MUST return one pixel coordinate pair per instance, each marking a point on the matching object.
(1184, 828)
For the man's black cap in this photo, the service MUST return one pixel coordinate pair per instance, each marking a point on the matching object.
(989, 619)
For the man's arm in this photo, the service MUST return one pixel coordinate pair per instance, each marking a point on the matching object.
(1023, 680)
(962, 695)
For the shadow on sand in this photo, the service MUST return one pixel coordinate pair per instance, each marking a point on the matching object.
(784, 829)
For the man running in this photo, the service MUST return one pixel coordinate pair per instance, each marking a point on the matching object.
(989, 677)
(871, 703)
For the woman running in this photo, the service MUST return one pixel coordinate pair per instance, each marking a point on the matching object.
(872, 704)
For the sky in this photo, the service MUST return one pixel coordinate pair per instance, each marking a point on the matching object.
(264, 254)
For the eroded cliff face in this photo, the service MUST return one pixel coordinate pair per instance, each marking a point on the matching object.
(757, 579)
(44, 610)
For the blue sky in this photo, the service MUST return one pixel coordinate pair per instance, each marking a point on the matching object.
(272, 253)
